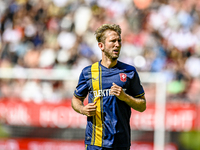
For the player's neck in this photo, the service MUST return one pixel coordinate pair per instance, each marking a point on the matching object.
(108, 63)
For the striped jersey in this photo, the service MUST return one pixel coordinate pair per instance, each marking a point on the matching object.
(110, 127)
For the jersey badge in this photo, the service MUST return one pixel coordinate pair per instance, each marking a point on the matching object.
(123, 77)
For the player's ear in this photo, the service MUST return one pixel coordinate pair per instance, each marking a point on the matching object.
(101, 45)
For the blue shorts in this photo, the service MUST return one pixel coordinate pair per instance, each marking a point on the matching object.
(92, 147)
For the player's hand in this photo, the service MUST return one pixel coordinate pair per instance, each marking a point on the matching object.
(89, 109)
(117, 91)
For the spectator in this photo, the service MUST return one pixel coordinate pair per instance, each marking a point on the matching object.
(58, 34)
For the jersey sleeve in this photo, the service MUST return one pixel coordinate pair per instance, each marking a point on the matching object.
(136, 89)
(81, 90)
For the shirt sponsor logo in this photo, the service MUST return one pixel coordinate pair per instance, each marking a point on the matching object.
(103, 93)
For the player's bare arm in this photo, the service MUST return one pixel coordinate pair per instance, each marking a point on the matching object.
(88, 110)
(138, 104)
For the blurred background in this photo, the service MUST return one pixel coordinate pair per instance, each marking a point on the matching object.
(44, 44)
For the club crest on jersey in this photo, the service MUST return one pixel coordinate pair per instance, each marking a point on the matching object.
(123, 77)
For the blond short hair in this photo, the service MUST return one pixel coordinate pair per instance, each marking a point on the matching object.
(100, 32)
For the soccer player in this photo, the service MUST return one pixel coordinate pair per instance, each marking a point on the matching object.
(113, 88)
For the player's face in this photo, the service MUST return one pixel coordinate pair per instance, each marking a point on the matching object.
(112, 45)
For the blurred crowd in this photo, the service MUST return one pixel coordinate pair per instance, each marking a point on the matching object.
(157, 36)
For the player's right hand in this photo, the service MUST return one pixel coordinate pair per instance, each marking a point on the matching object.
(89, 109)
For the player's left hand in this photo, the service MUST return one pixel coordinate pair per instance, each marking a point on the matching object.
(117, 91)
